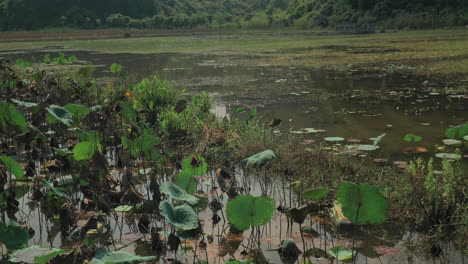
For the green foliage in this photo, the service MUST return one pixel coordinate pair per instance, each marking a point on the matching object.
(153, 93)
(186, 181)
(259, 159)
(123, 208)
(316, 194)
(246, 211)
(340, 253)
(23, 63)
(84, 150)
(116, 257)
(412, 138)
(77, 110)
(13, 235)
(176, 193)
(115, 68)
(458, 131)
(362, 204)
(196, 166)
(35, 254)
(10, 117)
(182, 217)
(13, 166)
(59, 114)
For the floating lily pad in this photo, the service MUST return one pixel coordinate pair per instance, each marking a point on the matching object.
(367, 147)
(452, 142)
(334, 139)
(412, 138)
(117, 257)
(450, 156)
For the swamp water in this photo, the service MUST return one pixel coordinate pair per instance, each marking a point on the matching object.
(343, 107)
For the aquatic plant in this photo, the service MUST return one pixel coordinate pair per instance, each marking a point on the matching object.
(246, 211)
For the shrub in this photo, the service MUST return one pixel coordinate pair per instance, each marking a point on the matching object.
(118, 20)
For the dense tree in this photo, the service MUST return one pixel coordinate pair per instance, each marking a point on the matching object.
(34, 14)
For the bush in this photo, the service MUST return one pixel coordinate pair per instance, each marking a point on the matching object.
(118, 20)
(259, 20)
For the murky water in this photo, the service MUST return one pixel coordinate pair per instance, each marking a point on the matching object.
(344, 106)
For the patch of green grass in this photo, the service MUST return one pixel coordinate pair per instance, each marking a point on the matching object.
(418, 52)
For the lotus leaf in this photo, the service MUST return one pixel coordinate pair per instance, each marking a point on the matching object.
(60, 114)
(13, 166)
(9, 116)
(182, 217)
(334, 139)
(123, 208)
(362, 204)
(259, 159)
(13, 235)
(316, 194)
(35, 254)
(24, 104)
(196, 166)
(245, 211)
(340, 253)
(84, 150)
(77, 110)
(116, 257)
(460, 131)
(186, 181)
(452, 142)
(450, 156)
(176, 193)
(367, 147)
(289, 249)
(412, 138)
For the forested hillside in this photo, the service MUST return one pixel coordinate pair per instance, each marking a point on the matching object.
(38, 14)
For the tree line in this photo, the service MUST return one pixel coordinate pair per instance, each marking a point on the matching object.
(171, 14)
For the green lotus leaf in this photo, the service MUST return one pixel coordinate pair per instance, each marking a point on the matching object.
(450, 156)
(452, 142)
(367, 147)
(84, 150)
(460, 131)
(362, 204)
(334, 139)
(12, 166)
(245, 211)
(35, 254)
(60, 114)
(176, 193)
(186, 181)
(289, 248)
(24, 104)
(182, 217)
(412, 138)
(259, 159)
(316, 194)
(123, 208)
(340, 253)
(9, 116)
(13, 235)
(146, 142)
(196, 166)
(77, 110)
(118, 257)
